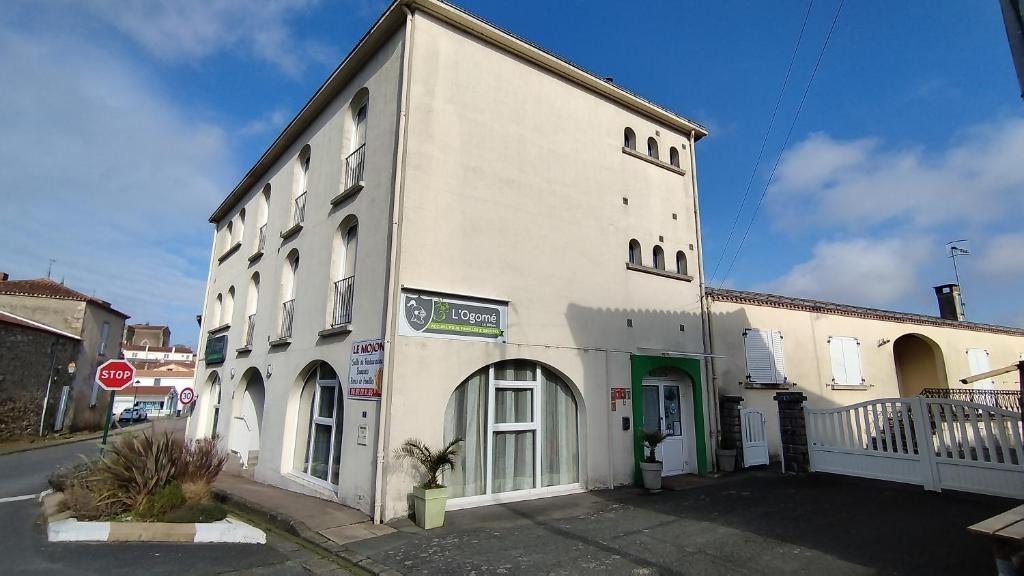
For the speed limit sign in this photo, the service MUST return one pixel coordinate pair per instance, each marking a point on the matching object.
(187, 396)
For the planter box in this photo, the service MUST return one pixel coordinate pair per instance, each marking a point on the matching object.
(430, 505)
(726, 459)
(651, 473)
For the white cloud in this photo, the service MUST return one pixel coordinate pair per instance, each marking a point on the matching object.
(273, 121)
(1003, 256)
(859, 183)
(195, 29)
(103, 174)
(866, 271)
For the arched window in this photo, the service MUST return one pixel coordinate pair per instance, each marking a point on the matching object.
(215, 313)
(262, 216)
(301, 185)
(229, 307)
(229, 235)
(252, 299)
(240, 229)
(359, 107)
(215, 407)
(634, 253)
(659, 258)
(288, 281)
(343, 272)
(319, 434)
(681, 262)
(652, 148)
(673, 156)
(629, 139)
(528, 439)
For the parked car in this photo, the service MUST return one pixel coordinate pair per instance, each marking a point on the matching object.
(133, 415)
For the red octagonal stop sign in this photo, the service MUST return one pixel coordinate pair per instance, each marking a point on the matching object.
(115, 375)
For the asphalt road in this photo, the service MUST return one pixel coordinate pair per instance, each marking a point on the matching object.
(25, 550)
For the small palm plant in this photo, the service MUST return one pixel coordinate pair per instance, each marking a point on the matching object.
(652, 439)
(434, 463)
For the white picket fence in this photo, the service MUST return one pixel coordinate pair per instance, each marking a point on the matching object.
(937, 443)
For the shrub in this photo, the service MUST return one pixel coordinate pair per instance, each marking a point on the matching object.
(196, 491)
(652, 439)
(63, 475)
(81, 498)
(434, 463)
(165, 499)
(135, 467)
(201, 461)
(207, 512)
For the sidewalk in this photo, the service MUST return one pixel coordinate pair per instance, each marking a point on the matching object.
(324, 524)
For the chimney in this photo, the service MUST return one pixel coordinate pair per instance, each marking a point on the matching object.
(949, 302)
(4, 276)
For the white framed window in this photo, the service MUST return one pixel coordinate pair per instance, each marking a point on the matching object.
(846, 367)
(519, 425)
(359, 127)
(765, 359)
(318, 455)
(104, 335)
(977, 362)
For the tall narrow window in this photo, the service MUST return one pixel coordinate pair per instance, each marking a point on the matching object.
(262, 215)
(301, 186)
(652, 148)
(252, 299)
(357, 155)
(240, 228)
(104, 336)
(519, 425)
(215, 396)
(359, 127)
(659, 258)
(229, 235)
(634, 253)
(288, 282)
(215, 314)
(673, 156)
(629, 139)
(318, 451)
(229, 307)
(343, 273)
(681, 263)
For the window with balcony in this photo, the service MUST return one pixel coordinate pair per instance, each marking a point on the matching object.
(288, 282)
(262, 216)
(251, 303)
(343, 273)
(300, 190)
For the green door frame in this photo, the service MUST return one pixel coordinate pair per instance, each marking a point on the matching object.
(641, 366)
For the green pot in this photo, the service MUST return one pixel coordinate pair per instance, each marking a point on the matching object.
(430, 505)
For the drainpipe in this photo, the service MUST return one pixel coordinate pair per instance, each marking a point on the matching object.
(394, 288)
(705, 319)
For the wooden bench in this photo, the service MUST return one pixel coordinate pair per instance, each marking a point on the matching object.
(1006, 533)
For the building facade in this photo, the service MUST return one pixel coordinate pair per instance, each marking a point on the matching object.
(145, 352)
(147, 335)
(838, 355)
(95, 321)
(460, 235)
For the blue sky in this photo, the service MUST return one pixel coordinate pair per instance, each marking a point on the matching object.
(125, 123)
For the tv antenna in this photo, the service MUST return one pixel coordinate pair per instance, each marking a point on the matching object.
(956, 249)
(49, 268)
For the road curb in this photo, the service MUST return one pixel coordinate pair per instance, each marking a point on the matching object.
(230, 530)
(86, 438)
(299, 529)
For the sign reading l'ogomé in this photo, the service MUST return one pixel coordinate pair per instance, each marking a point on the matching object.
(435, 316)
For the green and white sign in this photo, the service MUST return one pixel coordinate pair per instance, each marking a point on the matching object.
(436, 316)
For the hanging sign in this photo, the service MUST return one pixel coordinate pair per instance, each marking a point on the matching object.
(435, 316)
(366, 369)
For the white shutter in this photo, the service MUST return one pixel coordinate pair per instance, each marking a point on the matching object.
(765, 363)
(977, 361)
(759, 356)
(845, 354)
(777, 357)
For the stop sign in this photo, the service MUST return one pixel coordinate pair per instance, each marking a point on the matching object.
(115, 375)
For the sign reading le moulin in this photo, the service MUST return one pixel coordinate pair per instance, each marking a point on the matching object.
(437, 317)
(366, 369)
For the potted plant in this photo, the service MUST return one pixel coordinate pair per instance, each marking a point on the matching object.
(430, 497)
(650, 466)
(726, 454)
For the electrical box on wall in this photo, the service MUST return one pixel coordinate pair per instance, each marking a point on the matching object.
(625, 423)
(361, 435)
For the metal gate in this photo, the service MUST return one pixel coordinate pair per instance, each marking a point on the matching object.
(755, 442)
(936, 443)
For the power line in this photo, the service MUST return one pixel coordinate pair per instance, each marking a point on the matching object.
(764, 141)
(785, 144)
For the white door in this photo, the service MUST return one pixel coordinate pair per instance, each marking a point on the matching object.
(755, 442)
(663, 410)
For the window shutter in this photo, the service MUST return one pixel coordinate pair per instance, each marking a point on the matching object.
(977, 361)
(778, 359)
(838, 354)
(851, 352)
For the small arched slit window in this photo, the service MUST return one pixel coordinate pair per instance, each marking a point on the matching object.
(673, 156)
(629, 139)
(652, 147)
(659, 258)
(681, 262)
(634, 253)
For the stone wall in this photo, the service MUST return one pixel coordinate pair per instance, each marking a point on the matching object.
(794, 431)
(25, 363)
(729, 414)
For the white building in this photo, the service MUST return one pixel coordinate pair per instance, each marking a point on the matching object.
(140, 352)
(459, 235)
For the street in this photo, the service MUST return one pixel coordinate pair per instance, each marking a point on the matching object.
(25, 550)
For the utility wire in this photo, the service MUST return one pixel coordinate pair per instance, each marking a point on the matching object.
(789, 134)
(764, 141)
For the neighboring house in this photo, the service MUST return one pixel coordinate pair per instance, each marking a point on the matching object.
(143, 352)
(94, 321)
(147, 335)
(173, 378)
(34, 378)
(837, 354)
(157, 400)
(459, 235)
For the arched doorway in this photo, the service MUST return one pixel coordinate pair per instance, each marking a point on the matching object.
(247, 420)
(668, 406)
(919, 364)
(209, 407)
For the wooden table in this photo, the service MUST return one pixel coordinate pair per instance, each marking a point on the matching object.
(1006, 532)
